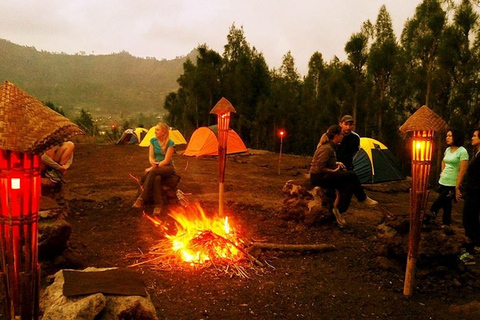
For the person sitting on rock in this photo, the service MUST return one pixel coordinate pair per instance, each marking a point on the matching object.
(161, 166)
(327, 172)
(57, 160)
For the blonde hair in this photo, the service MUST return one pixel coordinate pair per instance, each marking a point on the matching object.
(164, 142)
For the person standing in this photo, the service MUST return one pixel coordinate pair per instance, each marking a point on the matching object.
(327, 172)
(160, 155)
(454, 165)
(350, 144)
(471, 194)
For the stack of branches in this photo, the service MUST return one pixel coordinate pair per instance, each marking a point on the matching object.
(217, 252)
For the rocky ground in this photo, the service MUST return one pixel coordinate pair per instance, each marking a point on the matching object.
(359, 279)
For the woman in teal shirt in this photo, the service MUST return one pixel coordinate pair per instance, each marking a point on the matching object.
(454, 166)
(160, 155)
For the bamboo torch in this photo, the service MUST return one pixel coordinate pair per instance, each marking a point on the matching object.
(28, 129)
(423, 123)
(222, 109)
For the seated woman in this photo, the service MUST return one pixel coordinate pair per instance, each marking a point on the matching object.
(326, 172)
(56, 161)
(160, 155)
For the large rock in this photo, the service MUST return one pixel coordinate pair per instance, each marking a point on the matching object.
(56, 306)
(306, 203)
(93, 307)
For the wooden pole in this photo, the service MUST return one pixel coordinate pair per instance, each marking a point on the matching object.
(280, 155)
(421, 162)
(221, 189)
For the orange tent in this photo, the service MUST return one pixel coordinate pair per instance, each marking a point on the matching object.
(204, 142)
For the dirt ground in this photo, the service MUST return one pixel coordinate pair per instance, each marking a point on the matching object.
(345, 283)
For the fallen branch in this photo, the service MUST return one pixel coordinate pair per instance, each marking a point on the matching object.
(294, 247)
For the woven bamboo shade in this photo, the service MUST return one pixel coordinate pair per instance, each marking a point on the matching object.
(27, 125)
(424, 119)
(223, 106)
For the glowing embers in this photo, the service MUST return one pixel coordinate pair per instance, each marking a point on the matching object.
(198, 241)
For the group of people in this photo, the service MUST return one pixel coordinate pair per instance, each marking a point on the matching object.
(460, 178)
(332, 167)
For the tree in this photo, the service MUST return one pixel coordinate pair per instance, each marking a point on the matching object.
(207, 82)
(85, 122)
(287, 101)
(457, 58)
(382, 61)
(52, 106)
(314, 96)
(420, 39)
(245, 81)
(357, 53)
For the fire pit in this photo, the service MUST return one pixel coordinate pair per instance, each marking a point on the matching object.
(198, 241)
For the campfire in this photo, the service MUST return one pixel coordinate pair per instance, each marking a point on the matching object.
(197, 240)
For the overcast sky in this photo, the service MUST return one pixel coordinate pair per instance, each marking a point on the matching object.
(165, 29)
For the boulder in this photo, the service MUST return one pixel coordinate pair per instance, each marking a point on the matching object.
(307, 204)
(56, 306)
(96, 306)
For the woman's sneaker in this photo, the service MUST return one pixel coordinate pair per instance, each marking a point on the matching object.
(340, 220)
(369, 201)
(55, 176)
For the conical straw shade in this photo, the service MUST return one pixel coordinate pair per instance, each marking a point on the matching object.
(223, 106)
(27, 125)
(424, 119)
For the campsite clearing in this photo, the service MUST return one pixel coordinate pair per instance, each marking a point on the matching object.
(346, 283)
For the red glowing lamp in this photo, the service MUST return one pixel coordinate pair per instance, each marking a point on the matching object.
(422, 124)
(20, 190)
(222, 109)
(281, 133)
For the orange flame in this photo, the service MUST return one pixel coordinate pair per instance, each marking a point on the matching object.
(199, 238)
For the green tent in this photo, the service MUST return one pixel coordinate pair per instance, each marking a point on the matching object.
(374, 163)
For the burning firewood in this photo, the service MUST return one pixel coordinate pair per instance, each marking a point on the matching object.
(199, 242)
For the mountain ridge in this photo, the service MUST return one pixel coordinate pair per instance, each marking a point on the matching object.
(104, 85)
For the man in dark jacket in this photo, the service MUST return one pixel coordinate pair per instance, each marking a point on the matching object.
(471, 192)
(350, 143)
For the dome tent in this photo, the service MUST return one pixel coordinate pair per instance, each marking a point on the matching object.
(374, 163)
(132, 136)
(204, 142)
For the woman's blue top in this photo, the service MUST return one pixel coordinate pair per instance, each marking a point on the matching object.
(159, 156)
